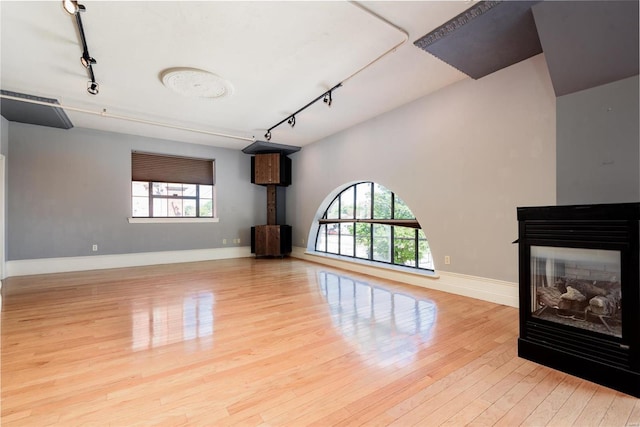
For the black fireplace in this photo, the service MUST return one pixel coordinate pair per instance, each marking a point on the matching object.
(580, 291)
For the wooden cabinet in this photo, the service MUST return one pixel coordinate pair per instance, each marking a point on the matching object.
(271, 240)
(271, 169)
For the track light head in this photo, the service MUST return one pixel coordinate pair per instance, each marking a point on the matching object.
(72, 7)
(87, 61)
(327, 98)
(267, 135)
(92, 87)
(292, 121)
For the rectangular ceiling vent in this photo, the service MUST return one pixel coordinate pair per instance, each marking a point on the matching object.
(31, 113)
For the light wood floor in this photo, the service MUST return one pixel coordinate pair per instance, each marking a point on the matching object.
(273, 342)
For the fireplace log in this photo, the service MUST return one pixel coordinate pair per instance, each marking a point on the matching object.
(606, 305)
(572, 300)
(573, 294)
(549, 296)
(588, 288)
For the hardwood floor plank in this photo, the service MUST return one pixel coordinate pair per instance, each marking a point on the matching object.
(572, 408)
(634, 417)
(619, 410)
(272, 342)
(596, 407)
(517, 385)
(553, 402)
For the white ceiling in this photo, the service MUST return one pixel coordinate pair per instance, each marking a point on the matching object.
(278, 56)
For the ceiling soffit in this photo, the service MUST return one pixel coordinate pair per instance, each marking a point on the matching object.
(487, 37)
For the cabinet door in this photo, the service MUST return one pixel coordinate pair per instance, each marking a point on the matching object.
(267, 240)
(267, 168)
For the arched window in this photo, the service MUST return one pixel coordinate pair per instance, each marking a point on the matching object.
(368, 221)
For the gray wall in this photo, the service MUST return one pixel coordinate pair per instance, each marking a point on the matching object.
(598, 155)
(69, 189)
(4, 150)
(4, 136)
(463, 158)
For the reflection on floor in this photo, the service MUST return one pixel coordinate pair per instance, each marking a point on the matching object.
(378, 322)
(159, 322)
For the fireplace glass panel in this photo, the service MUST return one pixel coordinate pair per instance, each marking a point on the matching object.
(577, 287)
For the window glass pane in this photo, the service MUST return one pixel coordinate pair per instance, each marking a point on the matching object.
(175, 207)
(381, 202)
(382, 242)
(139, 188)
(401, 211)
(404, 246)
(206, 208)
(206, 191)
(159, 189)
(321, 241)
(160, 207)
(174, 190)
(346, 238)
(189, 190)
(346, 203)
(140, 206)
(333, 240)
(333, 210)
(189, 207)
(363, 240)
(424, 252)
(363, 200)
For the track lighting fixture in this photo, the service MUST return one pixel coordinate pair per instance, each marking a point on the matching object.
(86, 60)
(292, 118)
(327, 98)
(92, 87)
(73, 8)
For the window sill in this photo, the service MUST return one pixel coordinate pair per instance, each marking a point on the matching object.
(384, 266)
(167, 220)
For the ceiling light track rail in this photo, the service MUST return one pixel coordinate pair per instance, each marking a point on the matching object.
(104, 113)
(73, 8)
(291, 119)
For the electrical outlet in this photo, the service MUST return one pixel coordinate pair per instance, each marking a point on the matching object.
(447, 259)
(238, 241)
(94, 248)
(224, 241)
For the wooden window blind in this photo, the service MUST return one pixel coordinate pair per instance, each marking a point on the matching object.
(161, 168)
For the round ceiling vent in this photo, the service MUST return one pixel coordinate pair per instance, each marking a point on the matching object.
(196, 83)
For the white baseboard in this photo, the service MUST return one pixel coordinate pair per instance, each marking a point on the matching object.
(497, 291)
(98, 262)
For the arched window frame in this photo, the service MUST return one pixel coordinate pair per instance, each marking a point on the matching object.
(422, 259)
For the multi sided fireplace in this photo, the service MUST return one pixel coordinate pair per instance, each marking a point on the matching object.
(580, 291)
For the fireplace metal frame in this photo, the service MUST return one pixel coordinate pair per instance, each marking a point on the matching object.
(604, 359)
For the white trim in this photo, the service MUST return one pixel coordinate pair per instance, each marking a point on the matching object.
(165, 220)
(492, 290)
(98, 262)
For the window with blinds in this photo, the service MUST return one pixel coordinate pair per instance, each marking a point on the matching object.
(171, 186)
